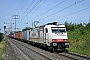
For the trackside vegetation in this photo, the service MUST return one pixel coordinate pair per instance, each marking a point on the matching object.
(2, 45)
(79, 37)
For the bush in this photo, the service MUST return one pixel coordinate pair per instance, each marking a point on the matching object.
(1, 58)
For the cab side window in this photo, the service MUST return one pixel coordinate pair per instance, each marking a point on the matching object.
(46, 30)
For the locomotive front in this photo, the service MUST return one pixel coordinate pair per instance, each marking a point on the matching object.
(59, 37)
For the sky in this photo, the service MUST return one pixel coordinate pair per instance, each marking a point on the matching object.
(44, 11)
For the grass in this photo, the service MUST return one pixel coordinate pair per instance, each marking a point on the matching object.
(2, 47)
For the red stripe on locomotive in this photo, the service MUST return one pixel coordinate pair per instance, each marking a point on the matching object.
(59, 40)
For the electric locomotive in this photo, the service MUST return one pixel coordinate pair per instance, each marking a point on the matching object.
(52, 36)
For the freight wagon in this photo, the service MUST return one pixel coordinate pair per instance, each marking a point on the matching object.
(11, 35)
(18, 35)
(25, 35)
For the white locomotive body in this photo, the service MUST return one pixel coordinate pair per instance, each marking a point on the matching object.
(50, 35)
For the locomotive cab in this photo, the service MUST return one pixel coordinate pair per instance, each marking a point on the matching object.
(56, 37)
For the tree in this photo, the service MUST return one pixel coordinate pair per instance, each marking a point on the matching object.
(69, 26)
(26, 28)
(88, 25)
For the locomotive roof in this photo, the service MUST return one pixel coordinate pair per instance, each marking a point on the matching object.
(52, 26)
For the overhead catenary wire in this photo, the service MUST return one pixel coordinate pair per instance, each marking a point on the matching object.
(49, 9)
(18, 6)
(72, 13)
(30, 10)
(40, 6)
(21, 6)
(27, 8)
(61, 10)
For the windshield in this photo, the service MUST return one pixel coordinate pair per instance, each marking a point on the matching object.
(58, 30)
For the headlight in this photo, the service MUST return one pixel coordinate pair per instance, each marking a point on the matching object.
(66, 43)
(53, 40)
(54, 44)
(65, 40)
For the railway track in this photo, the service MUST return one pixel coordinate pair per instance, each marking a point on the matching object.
(74, 56)
(84, 56)
(46, 55)
(9, 52)
(39, 55)
(23, 54)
